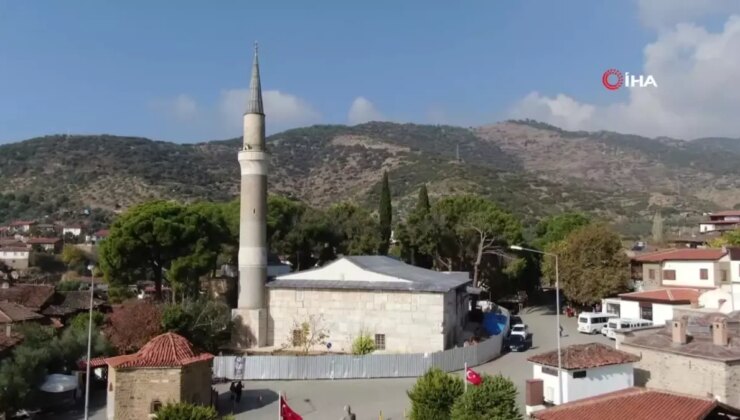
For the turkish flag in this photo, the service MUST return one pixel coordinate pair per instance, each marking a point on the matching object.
(287, 413)
(473, 377)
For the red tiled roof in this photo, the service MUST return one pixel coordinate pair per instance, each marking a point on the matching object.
(95, 362)
(32, 296)
(102, 232)
(689, 254)
(8, 342)
(11, 312)
(166, 350)
(585, 356)
(42, 241)
(720, 222)
(670, 295)
(634, 404)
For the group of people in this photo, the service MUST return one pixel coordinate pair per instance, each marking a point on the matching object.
(236, 391)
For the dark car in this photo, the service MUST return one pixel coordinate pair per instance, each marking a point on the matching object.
(516, 320)
(519, 343)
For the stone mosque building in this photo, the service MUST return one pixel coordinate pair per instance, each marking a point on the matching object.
(403, 307)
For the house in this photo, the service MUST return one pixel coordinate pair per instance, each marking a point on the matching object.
(74, 230)
(588, 370)
(655, 305)
(721, 221)
(33, 296)
(403, 307)
(15, 257)
(686, 268)
(98, 236)
(53, 245)
(65, 305)
(45, 229)
(167, 369)
(13, 314)
(697, 355)
(22, 226)
(640, 404)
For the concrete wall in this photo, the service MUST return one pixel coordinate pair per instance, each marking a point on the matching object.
(630, 309)
(687, 273)
(684, 374)
(735, 271)
(15, 259)
(411, 322)
(662, 313)
(651, 283)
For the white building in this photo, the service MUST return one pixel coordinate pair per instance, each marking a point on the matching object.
(72, 230)
(654, 305)
(688, 268)
(15, 257)
(588, 370)
(403, 307)
(721, 221)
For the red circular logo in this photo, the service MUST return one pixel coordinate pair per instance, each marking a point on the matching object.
(612, 72)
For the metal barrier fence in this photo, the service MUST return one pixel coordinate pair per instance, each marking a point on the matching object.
(351, 367)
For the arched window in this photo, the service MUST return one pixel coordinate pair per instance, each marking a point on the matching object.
(156, 406)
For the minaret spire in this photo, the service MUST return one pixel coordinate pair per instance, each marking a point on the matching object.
(254, 106)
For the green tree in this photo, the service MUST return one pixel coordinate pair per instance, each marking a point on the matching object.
(187, 411)
(355, 231)
(385, 215)
(556, 228)
(419, 235)
(434, 394)
(148, 238)
(657, 230)
(422, 203)
(731, 238)
(363, 344)
(74, 258)
(205, 323)
(592, 264)
(493, 399)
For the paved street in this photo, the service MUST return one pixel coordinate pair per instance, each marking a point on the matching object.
(324, 399)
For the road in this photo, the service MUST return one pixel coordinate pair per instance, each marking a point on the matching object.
(325, 399)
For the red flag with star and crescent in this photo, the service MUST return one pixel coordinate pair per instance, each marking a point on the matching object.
(287, 413)
(473, 377)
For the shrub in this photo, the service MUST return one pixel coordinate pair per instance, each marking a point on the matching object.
(433, 395)
(363, 344)
(187, 411)
(494, 398)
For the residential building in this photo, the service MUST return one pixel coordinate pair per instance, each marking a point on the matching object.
(721, 221)
(697, 355)
(403, 307)
(13, 314)
(52, 245)
(654, 305)
(15, 257)
(98, 236)
(74, 230)
(32, 296)
(640, 404)
(686, 268)
(165, 370)
(22, 226)
(65, 305)
(588, 370)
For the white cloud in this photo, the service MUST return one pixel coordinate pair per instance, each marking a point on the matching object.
(181, 107)
(697, 94)
(283, 110)
(663, 14)
(362, 111)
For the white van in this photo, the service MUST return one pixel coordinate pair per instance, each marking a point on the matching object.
(593, 322)
(624, 324)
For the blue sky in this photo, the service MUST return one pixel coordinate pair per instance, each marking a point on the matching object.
(178, 73)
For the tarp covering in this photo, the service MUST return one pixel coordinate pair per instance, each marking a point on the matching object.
(494, 323)
(56, 383)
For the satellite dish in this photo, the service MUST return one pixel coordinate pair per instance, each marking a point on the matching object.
(328, 346)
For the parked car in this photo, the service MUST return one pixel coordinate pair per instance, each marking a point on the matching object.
(515, 320)
(520, 343)
(521, 330)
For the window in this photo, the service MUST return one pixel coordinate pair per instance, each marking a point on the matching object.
(703, 274)
(669, 274)
(579, 374)
(380, 341)
(549, 371)
(156, 406)
(646, 311)
(651, 274)
(723, 275)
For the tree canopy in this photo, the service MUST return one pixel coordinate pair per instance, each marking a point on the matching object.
(493, 399)
(385, 215)
(433, 395)
(556, 228)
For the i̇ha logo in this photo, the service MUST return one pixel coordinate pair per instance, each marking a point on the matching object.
(613, 80)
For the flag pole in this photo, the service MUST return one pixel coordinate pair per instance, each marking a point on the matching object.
(280, 405)
(466, 377)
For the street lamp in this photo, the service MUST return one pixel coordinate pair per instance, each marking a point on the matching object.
(557, 309)
(89, 339)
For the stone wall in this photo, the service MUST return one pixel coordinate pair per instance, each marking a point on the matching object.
(411, 322)
(135, 389)
(684, 374)
(195, 383)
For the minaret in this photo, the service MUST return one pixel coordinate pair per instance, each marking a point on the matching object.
(251, 328)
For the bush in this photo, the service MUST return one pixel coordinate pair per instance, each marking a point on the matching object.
(186, 411)
(68, 286)
(433, 395)
(364, 344)
(494, 398)
(205, 323)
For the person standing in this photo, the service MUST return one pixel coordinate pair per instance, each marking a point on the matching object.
(348, 414)
(238, 388)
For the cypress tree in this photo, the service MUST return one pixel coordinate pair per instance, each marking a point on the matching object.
(384, 213)
(422, 205)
